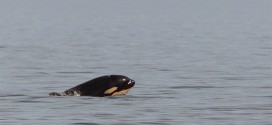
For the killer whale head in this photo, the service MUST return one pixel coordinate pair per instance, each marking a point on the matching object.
(110, 85)
(121, 85)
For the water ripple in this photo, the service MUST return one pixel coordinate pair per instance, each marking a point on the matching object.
(198, 87)
(70, 72)
(86, 124)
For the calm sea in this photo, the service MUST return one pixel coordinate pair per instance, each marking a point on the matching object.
(195, 62)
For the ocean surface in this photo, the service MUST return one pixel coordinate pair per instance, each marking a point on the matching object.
(195, 62)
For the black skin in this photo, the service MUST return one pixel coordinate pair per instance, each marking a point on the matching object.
(97, 86)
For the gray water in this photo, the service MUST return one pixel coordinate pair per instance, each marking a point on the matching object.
(194, 62)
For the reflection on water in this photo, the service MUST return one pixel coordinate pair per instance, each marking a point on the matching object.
(193, 62)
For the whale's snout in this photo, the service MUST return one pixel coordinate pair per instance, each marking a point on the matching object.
(131, 83)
